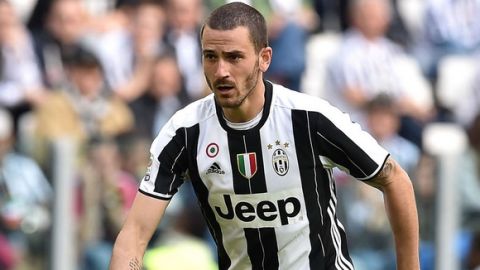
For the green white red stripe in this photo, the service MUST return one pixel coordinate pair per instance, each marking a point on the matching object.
(247, 164)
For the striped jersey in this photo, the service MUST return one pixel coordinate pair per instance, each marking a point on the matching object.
(267, 193)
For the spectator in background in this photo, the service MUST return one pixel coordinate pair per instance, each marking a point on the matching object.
(105, 195)
(25, 197)
(289, 26)
(111, 42)
(20, 77)
(366, 65)
(467, 114)
(469, 107)
(451, 27)
(469, 177)
(184, 18)
(127, 51)
(473, 132)
(365, 215)
(66, 23)
(334, 16)
(135, 157)
(383, 122)
(469, 174)
(165, 95)
(84, 109)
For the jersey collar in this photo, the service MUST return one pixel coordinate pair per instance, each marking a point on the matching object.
(266, 112)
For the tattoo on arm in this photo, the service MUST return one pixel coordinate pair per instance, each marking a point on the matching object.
(134, 264)
(383, 178)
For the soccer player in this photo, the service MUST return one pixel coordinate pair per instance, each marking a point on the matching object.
(260, 159)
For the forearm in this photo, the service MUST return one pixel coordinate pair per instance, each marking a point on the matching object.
(401, 209)
(136, 233)
(127, 253)
(402, 213)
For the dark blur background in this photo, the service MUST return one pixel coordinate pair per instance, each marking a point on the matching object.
(85, 85)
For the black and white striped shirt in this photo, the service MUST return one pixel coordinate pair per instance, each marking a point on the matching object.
(267, 193)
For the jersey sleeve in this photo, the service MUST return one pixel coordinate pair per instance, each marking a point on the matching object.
(345, 145)
(168, 163)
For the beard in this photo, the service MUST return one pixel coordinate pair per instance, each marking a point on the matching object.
(249, 85)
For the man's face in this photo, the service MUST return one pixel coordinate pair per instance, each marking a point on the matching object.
(383, 123)
(372, 18)
(166, 81)
(232, 67)
(67, 21)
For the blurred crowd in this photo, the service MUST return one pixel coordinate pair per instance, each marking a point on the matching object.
(108, 74)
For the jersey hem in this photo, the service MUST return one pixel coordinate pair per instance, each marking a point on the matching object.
(377, 171)
(154, 196)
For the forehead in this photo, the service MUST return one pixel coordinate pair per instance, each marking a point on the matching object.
(227, 40)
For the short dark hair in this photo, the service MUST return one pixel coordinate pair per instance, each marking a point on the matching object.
(79, 56)
(235, 14)
(382, 102)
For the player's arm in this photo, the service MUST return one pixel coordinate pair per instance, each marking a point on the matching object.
(141, 222)
(401, 209)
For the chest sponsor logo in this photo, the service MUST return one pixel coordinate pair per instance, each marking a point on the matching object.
(247, 164)
(258, 210)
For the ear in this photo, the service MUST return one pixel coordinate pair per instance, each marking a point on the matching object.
(265, 58)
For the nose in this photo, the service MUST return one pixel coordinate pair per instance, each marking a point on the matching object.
(221, 69)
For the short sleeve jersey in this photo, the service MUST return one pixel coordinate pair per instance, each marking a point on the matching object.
(267, 193)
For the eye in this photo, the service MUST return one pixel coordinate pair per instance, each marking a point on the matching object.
(209, 56)
(234, 57)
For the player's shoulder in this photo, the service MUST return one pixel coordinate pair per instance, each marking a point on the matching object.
(294, 100)
(191, 115)
(195, 112)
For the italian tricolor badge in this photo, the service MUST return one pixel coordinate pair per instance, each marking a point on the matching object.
(247, 164)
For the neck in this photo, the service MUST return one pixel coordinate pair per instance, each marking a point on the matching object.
(372, 37)
(250, 107)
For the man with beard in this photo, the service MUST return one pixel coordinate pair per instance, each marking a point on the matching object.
(260, 159)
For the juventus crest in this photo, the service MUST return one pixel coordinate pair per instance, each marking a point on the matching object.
(279, 157)
(280, 162)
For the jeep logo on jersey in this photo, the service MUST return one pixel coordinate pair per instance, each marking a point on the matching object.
(258, 210)
(247, 164)
(280, 162)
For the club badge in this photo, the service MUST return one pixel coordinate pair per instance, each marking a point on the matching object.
(280, 161)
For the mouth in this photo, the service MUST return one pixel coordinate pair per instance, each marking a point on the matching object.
(224, 87)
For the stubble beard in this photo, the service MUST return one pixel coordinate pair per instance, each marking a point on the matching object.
(250, 84)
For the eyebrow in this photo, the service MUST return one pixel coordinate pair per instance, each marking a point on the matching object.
(234, 52)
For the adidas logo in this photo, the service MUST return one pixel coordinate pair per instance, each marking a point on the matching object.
(215, 168)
